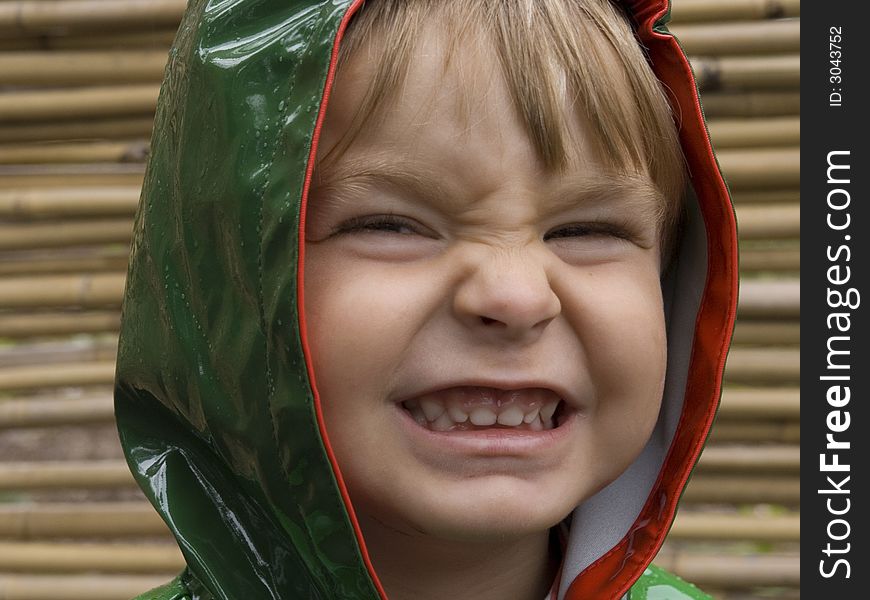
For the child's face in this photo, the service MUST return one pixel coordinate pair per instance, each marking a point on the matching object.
(467, 264)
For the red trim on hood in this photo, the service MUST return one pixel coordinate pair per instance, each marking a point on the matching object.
(300, 286)
(614, 573)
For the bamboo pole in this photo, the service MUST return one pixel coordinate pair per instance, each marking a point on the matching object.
(769, 298)
(771, 221)
(756, 404)
(70, 179)
(761, 168)
(753, 37)
(76, 103)
(63, 170)
(29, 412)
(146, 40)
(64, 351)
(763, 366)
(82, 67)
(732, 571)
(26, 236)
(77, 587)
(714, 73)
(61, 375)
(82, 152)
(693, 11)
(743, 489)
(77, 520)
(42, 557)
(750, 104)
(65, 475)
(56, 324)
(781, 196)
(746, 133)
(98, 129)
(770, 259)
(62, 290)
(765, 333)
(39, 16)
(726, 432)
(747, 460)
(36, 203)
(51, 263)
(706, 526)
(87, 290)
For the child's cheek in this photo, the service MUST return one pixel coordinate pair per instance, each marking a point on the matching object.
(361, 316)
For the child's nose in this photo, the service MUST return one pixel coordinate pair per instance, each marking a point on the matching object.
(507, 297)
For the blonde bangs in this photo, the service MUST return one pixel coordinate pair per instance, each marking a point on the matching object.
(546, 49)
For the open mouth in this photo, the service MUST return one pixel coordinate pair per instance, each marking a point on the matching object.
(481, 408)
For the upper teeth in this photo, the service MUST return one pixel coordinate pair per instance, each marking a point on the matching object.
(447, 409)
(432, 408)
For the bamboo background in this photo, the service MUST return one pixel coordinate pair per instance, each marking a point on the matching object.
(78, 87)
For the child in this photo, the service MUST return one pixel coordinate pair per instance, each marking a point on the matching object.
(417, 307)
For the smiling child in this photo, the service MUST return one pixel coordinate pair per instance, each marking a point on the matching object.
(427, 300)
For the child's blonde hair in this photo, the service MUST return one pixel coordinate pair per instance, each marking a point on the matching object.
(544, 47)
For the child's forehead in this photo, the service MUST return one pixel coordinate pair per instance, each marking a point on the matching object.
(469, 65)
(466, 76)
(455, 110)
(438, 72)
(459, 96)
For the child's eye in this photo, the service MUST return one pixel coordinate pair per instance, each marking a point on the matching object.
(389, 224)
(587, 229)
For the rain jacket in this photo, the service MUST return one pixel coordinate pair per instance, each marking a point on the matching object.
(215, 409)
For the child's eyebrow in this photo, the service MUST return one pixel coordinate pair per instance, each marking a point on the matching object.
(364, 174)
(633, 192)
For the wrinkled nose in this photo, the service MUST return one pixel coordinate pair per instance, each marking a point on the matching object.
(507, 297)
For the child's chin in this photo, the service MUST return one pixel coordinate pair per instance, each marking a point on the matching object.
(491, 519)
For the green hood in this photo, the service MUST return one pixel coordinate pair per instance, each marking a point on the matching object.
(214, 403)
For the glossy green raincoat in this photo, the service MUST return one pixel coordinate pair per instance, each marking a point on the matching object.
(214, 403)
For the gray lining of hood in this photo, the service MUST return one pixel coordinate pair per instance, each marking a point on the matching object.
(601, 521)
